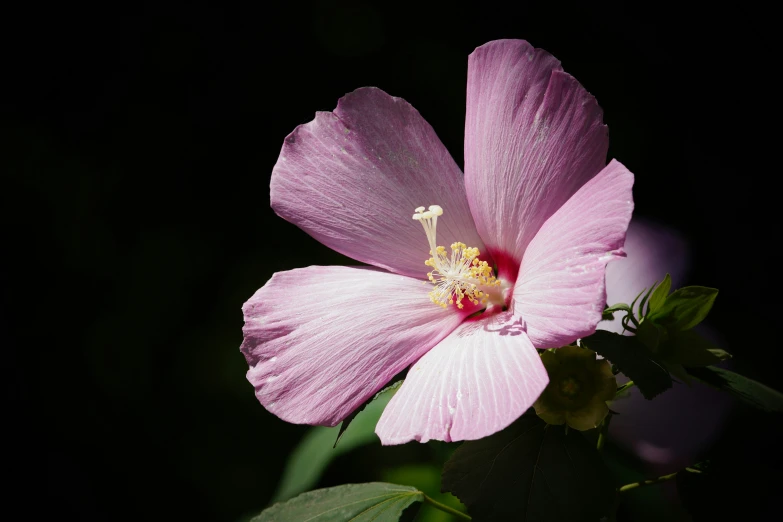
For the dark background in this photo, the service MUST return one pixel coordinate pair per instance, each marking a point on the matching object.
(137, 143)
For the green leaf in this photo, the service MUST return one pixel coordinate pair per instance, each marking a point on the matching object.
(315, 452)
(426, 478)
(633, 303)
(685, 308)
(747, 390)
(619, 307)
(651, 335)
(690, 349)
(659, 296)
(370, 502)
(388, 392)
(721, 354)
(608, 313)
(531, 471)
(633, 359)
(678, 371)
(644, 300)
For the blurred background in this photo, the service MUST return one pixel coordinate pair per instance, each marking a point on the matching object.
(137, 142)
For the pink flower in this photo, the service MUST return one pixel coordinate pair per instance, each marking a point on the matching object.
(537, 201)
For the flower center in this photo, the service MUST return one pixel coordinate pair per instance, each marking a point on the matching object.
(570, 386)
(457, 275)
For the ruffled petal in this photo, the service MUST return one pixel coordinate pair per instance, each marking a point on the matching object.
(353, 177)
(533, 136)
(322, 340)
(475, 382)
(560, 293)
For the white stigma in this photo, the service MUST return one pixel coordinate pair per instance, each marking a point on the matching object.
(429, 220)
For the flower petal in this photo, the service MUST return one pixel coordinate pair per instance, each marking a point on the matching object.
(560, 293)
(322, 340)
(475, 382)
(352, 179)
(533, 136)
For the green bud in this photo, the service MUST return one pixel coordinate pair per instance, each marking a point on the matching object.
(579, 386)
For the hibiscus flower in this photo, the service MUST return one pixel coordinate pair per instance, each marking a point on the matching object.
(528, 231)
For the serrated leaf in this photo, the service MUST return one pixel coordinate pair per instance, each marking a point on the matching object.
(633, 359)
(690, 349)
(658, 297)
(685, 307)
(370, 502)
(747, 390)
(530, 472)
(316, 451)
(387, 392)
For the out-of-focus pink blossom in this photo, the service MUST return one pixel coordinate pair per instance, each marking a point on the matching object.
(670, 431)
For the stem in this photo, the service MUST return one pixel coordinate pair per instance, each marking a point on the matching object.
(624, 387)
(446, 509)
(650, 482)
(633, 319)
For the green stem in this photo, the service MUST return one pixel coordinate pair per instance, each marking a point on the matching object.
(624, 387)
(650, 482)
(437, 505)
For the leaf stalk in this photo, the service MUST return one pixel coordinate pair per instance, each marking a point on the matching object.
(446, 509)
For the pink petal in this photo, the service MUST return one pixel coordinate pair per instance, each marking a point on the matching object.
(533, 136)
(651, 252)
(560, 292)
(474, 383)
(321, 340)
(352, 179)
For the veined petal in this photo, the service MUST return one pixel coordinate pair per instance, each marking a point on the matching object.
(533, 136)
(560, 293)
(475, 382)
(352, 178)
(322, 340)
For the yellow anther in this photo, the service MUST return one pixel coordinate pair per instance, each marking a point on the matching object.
(457, 275)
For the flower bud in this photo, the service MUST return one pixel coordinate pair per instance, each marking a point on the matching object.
(579, 386)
